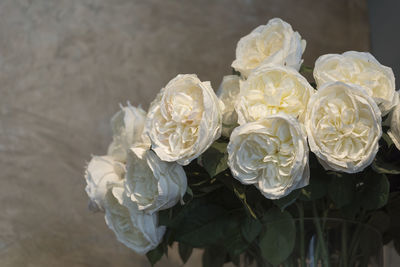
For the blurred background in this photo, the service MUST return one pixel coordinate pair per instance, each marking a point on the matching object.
(66, 65)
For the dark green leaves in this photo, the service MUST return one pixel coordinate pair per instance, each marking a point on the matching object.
(380, 221)
(215, 159)
(341, 189)
(317, 188)
(184, 252)
(240, 193)
(375, 191)
(319, 179)
(387, 161)
(288, 200)
(214, 257)
(235, 72)
(278, 240)
(393, 211)
(384, 167)
(251, 228)
(233, 240)
(305, 69)
(202, 225)
(155, 255)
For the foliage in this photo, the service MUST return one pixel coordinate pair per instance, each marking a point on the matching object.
(228, 219)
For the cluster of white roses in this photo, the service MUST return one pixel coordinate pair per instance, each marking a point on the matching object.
(268, 113)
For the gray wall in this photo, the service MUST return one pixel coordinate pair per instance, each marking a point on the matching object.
(384, 16)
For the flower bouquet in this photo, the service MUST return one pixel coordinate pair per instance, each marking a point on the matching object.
(272, 170)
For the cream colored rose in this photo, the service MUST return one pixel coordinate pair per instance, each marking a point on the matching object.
(275, 43)
(228, 93)
(127, 126)
(151, 183)
(272, 154)
(184, 119)
(344, 126)
(394, 131)
(272, 90)
(100, 173)
(362, 69)
(135, 229)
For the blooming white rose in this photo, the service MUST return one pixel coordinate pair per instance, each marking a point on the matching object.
(271, 90)
(362, 69)
(275, 43)
(100, 173)
(272, 154)
(228, 93)
(127, 126)
(394, 131)
(344, 126)
(184, 119)
(151, 183)
(134, 228)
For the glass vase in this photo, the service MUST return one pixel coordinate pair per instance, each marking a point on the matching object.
(326, 242)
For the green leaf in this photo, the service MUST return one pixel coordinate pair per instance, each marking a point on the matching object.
(155, 255)
(370, 241)
(171, 217)
(278, 240)
(239, 190)
(236, 260)
(235, 72)
(215, 158)
(188, 195)
(213, 257)
(184, 252)
(304, 69)
(393, 208)
(319, 180)
(201, 225)
(317, 188)
(163, 217)
(380, 221)
(351, 210)
(233, 241)
(288, 200)
(196, 174)
(387, 139)
(242, 196)
(341, 189)
(396, 243)
(380, 166)
(375, 192)
(251, 228)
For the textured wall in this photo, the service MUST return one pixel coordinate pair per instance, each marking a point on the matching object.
(66, 65)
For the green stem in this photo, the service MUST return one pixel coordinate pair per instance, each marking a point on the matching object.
(302, 235)
(320, 234)
(356, 238)
(316, 253)
(344, 258)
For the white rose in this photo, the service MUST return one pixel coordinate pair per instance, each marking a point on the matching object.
(272, 90)
(272, 154)
(344, 126)
(394, 131)
(151, 183)
(362, 69)
(184, 119)
(228, 93)
(275, 43)
(127, 126)
(135, 229)
(100, 173)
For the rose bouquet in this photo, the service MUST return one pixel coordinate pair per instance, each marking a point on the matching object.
(236, 172)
